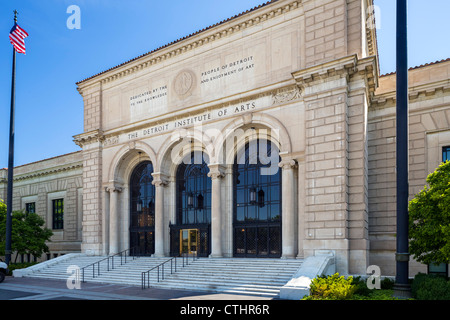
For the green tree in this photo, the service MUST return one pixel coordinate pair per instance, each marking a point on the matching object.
(429, 219)
(28, 234)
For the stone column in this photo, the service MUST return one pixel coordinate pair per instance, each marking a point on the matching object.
(288, 209)
(114, 221)
(216, 174)
(159, 181)
(105, 221)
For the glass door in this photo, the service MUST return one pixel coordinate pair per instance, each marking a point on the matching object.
(189, 241)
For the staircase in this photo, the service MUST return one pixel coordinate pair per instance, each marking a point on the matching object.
(261, 277)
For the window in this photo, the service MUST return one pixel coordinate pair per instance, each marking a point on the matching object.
(193, 191)
(142, 213)
(58, 214)
(257, 201)
(30, 208)
(445, 154)
(438, 269)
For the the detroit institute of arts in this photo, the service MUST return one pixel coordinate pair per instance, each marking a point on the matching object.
(270, 134)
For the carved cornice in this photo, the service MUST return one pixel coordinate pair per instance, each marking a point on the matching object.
(348, 67)
(89, 137)
(337, 68)
(416, 93)
(47, 172)
(192, 42)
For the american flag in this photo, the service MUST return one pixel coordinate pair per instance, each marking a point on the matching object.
(17, 37)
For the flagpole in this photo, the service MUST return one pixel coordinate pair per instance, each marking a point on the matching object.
(402, 287)
(9, 201)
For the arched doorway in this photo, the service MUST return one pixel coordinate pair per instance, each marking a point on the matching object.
(257, 201)
(191, 231)
(142, 209)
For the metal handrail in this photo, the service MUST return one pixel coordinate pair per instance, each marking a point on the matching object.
(107, 265)
(145, 276)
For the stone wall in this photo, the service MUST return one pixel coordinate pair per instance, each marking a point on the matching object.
(429, 132)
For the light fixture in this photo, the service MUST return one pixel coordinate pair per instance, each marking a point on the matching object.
(190, 200)
(261, 199)
(252, 195)
(200, 201)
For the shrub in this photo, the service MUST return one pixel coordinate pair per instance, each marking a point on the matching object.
(387, 284)
(334, 287)
(430, 287)
(16, 266)
(429, 219)
(361, 287)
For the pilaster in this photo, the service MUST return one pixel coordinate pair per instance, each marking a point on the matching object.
(289, 213)
(160, 181)
(217, 173)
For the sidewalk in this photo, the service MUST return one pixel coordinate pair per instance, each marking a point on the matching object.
(43, 289)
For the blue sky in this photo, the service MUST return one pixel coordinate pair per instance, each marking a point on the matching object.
(49, 110)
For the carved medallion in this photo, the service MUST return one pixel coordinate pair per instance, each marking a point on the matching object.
(184, 83)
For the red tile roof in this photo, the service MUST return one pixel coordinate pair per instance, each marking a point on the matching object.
(417, 67)
(181, 39)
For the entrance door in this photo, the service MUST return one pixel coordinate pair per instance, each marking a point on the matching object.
(189, 241)
(142, 209)
(192, 228)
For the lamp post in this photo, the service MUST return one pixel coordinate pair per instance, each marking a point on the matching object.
(402, 288)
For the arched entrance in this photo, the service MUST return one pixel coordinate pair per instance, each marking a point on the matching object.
(142, 209)
(257, 201)
(191, 231)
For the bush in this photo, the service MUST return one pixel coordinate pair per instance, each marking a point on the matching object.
(430, 287)
(387, 284)
(16, 266)
(361, 287)
(334, 287)
(429, 219)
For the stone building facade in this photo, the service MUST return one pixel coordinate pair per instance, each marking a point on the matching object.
(47, 187)
(270, 134)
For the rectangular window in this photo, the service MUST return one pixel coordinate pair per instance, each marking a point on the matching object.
(445, 154)
(30, 208)
(58, 214)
